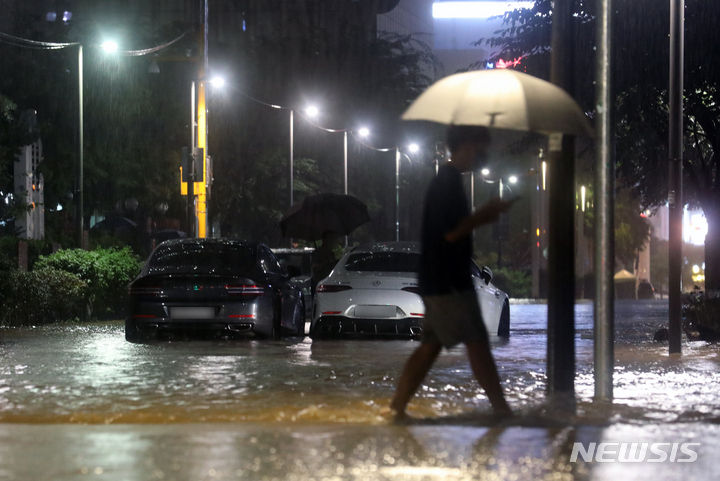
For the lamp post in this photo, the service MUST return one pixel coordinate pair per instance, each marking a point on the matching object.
(312, 111)
(675, 191)
(79, 206)
(500, 226)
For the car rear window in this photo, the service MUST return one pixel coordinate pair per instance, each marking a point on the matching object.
(383, 262)
(222, 259)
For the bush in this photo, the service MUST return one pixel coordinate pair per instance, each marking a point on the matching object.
(107, 273)
(703, 313)
(515, 283)
(42, 296)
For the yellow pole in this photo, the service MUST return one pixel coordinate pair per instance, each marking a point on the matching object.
(200, 187)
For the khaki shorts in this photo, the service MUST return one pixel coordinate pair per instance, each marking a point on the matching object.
(453, 318)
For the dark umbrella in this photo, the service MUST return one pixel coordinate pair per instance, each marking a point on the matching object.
(316, 214)
(115, 224)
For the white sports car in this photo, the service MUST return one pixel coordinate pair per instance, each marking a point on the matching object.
(373, 291)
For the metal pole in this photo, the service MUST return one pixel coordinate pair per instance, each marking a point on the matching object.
(397, 194)
(472, 190)
(291, 157)
(604, 306)
(561, 238)
(345, 158)
(536, 209)
(81, 107)
(500, 229)
(191, 167)
(675, 189)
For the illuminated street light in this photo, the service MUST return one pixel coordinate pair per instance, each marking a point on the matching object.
(513, 179)
(485, 172)
(110, 46)
(364, 132)
(413, 148)
(312, 111)
(218, 82)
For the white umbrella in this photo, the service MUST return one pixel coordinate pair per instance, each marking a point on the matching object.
(503, 99)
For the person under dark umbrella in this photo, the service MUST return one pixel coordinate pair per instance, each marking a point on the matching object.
(452, 313)
(323, 258)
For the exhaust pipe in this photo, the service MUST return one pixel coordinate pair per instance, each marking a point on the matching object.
(415, 330)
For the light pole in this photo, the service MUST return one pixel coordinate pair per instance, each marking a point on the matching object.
(500, 226)
(312, 112)
(290, 178)
(675, 191)
(79, 205)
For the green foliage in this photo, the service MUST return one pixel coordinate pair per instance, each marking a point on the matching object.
(639, 72)
(515, 283)
(703, 314)
(107, 273)
(42, 296)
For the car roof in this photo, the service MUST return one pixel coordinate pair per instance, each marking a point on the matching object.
(211, 241)
(293, 250)
(407, 247)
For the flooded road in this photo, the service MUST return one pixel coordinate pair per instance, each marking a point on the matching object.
(89, 374)
(78, 402)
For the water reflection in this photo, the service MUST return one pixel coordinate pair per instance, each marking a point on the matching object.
(89, 374)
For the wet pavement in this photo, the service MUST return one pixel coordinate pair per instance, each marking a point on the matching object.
(77, 401)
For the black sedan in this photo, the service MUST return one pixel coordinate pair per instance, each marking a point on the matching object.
(223, 286)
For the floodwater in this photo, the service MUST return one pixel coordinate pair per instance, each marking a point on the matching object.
(78, 402)
(88, 373)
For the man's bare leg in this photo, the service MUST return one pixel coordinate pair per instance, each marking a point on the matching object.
(415, 370)
(483, 366)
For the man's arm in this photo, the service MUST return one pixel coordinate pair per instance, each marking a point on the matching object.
(487, 214)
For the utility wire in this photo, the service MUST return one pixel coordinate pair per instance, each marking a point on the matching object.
(138, 53)
(27, 43)
(24, 42)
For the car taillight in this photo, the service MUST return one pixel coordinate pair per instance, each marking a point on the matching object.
(413, 289)
(332, 288)
(245, 290)
(145, 291)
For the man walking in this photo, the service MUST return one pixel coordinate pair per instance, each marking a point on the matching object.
(452, 313)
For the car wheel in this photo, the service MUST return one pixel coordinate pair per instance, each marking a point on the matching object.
(314, 331)
(504, 326)
(276, 332)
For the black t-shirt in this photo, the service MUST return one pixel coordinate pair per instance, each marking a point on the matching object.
(445, 266)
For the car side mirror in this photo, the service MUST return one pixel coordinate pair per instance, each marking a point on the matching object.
(293, 271)
(486, 274)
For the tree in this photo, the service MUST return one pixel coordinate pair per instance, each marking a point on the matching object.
(13, 135)
(640, 73)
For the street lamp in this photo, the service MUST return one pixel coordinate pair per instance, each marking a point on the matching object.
(312, 111)
(364, 132)
(110, 46)
(218, 82)
(485, 172)
(413, 148)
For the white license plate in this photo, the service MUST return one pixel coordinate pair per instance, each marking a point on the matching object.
(375, 311)
(192, 312)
